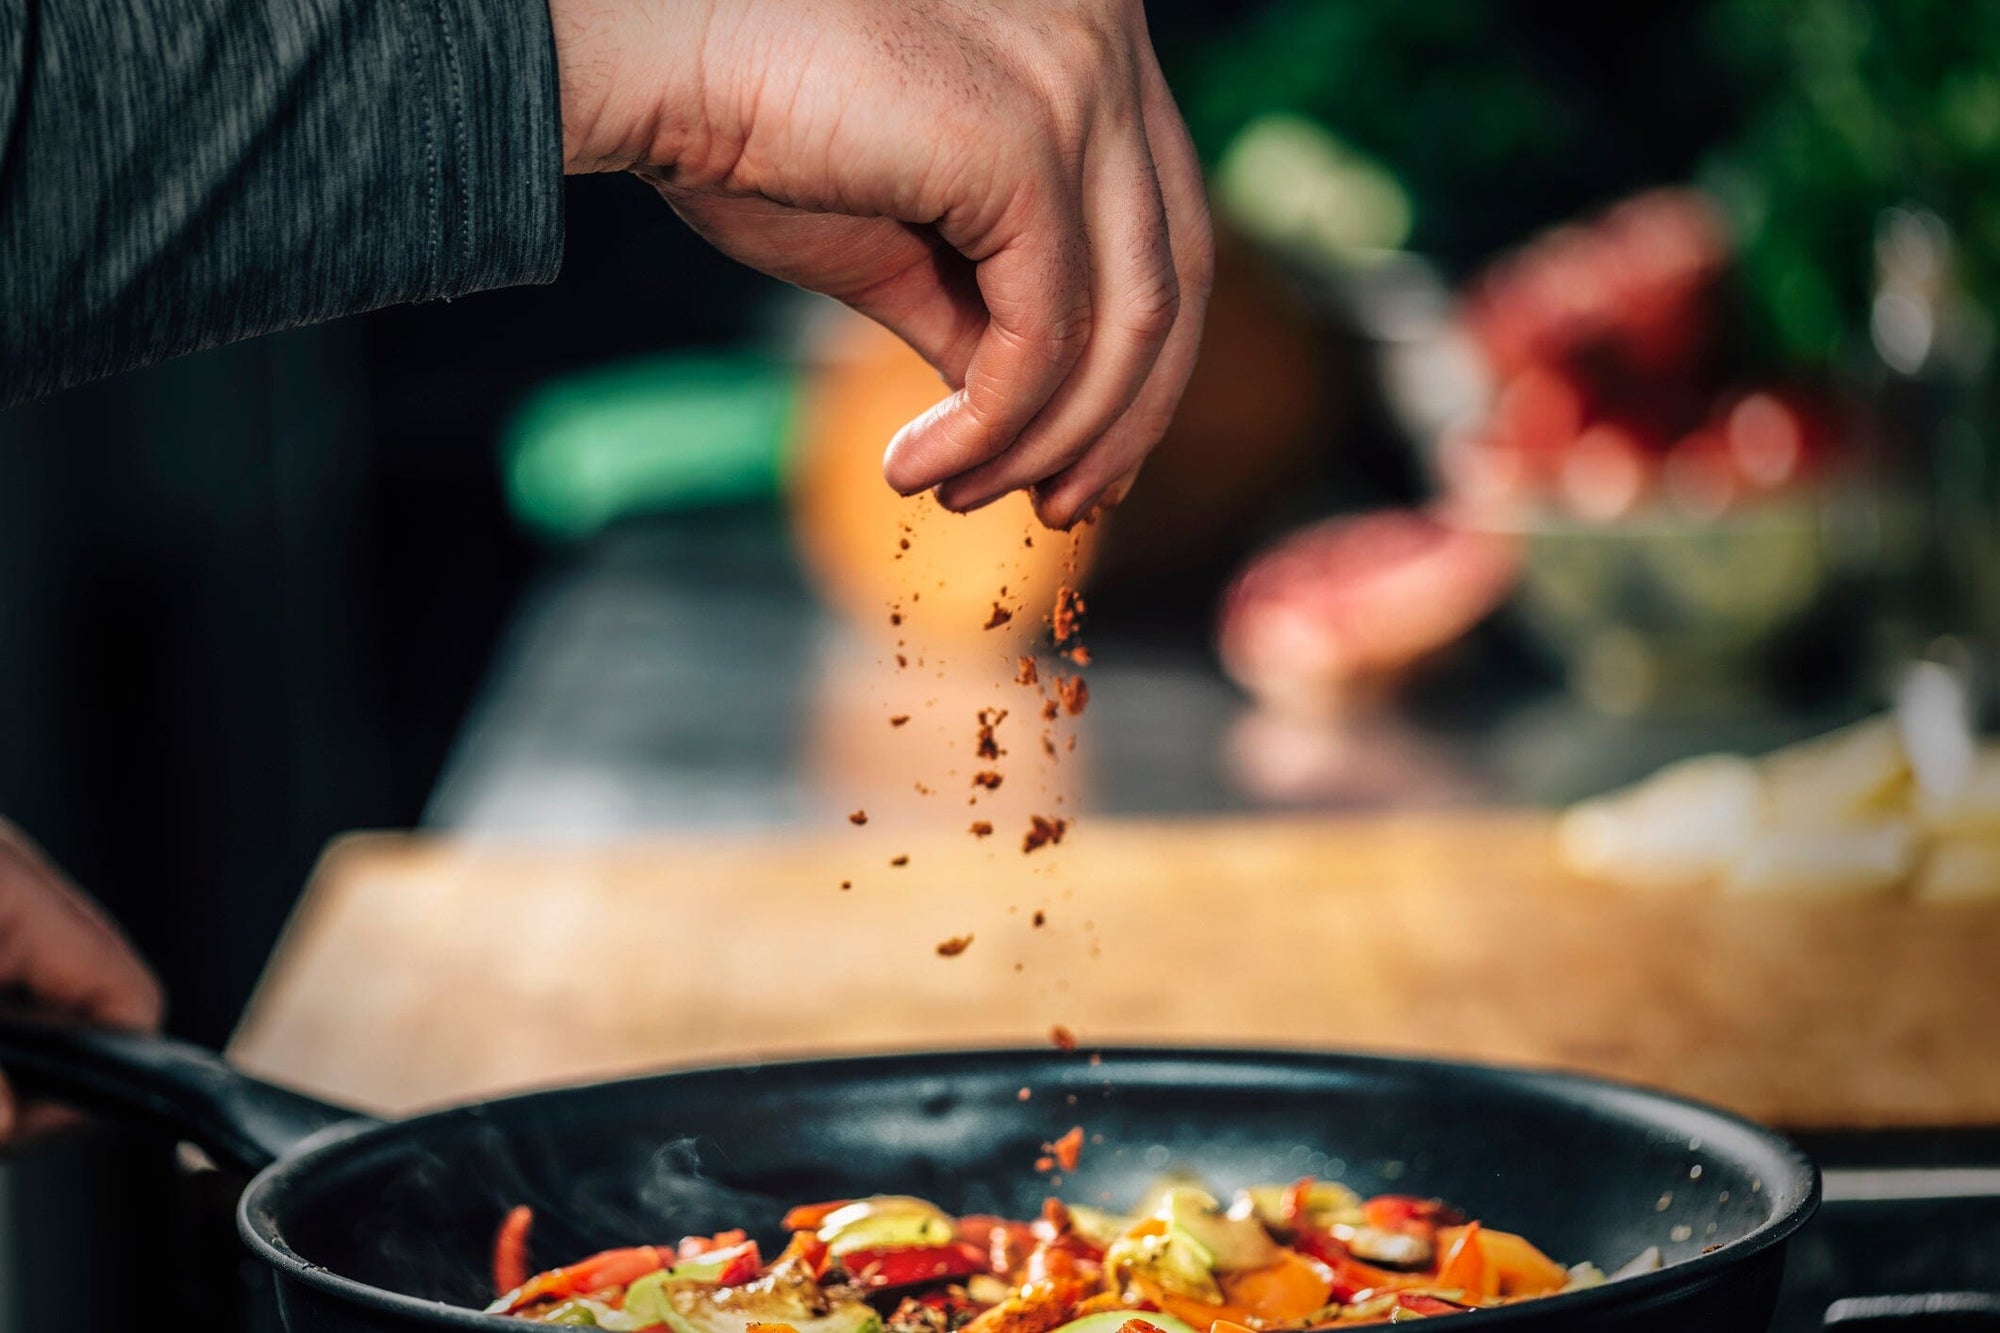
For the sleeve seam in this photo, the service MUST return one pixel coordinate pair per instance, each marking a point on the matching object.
(462, 170)
(433, 224)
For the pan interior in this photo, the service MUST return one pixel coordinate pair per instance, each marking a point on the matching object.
(1587, 1171)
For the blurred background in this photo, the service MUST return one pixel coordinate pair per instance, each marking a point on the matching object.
(1587, 387)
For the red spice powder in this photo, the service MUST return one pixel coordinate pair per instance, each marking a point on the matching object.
(1000, 616)
(1067, 1150)
(1067, 619)
(1051, 710)
(981, 828)
(1027, 675)
(899, 861)
(1041, 918)
(901, 719)
(858, 817)
(954, 946)
(1042, 830)
(988, 746)
(988, 779)
(1062, 1038)
(1074, 692)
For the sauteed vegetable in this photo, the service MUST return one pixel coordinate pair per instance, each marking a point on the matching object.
(1308, 1255)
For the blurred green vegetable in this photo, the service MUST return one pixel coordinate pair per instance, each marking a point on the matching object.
(1857, 107)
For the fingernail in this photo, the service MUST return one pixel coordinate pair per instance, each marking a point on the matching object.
(900, 455)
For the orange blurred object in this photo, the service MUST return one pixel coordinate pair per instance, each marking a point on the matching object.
(874, 554)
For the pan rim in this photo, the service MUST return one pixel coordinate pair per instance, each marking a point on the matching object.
(259, 1209)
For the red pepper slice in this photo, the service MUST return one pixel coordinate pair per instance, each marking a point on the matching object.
(1401, 1212)
(612, 1268)
(1292, 1205)
(740, 1263)
(812, 1216)
(510, 1251)
(1418, 1303)
(1351, 1277)
(916, 1264)
(1005, 1242)
(693, 1247)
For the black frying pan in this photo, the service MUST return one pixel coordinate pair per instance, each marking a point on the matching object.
(374, 1226)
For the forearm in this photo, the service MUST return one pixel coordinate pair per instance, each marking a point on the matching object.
(184, 173)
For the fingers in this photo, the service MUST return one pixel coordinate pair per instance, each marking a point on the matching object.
(1034, 277)
(1135, 296)
(903, 277)
(1107, 469)
(61, 950)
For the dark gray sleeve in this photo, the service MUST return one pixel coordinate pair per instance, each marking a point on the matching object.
(176, 174)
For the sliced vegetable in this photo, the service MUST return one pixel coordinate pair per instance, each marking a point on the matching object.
(1232, 1244)
(700, 1307)
(600, 1272)
(1182, 1265)
(510, 1250)
(1110, 1321)
(1307, 1202)
(886, 1222)
(907, 1267)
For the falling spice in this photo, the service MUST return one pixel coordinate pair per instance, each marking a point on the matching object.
(981, 828)
(1042, 830)
(1078, 654)
(1067, 1150)
(899, 861)
(1041, 917)
(954, 946)
(1062, 1038)
(1074, 691)
(1000, 616)
(1023, 1095)
(1067, 619)
(901, 660)
(1049, 746)
(1027, 675)
(1045, 1163)
(858, 817)
(847, 884)
(988, 745)
(895, 617)
(903, 544)
(901, 719)
(1051, 710)
(1028, 541)
(987, 779)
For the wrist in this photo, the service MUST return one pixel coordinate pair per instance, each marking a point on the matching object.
(606, 124)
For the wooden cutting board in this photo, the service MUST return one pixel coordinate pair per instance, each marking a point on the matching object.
(424, 970)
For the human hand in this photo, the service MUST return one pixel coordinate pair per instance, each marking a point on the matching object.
(1008, 186)
(62, 954)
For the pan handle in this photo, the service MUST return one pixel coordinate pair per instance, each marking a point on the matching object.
(1941, 1311)
(238, 1120)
